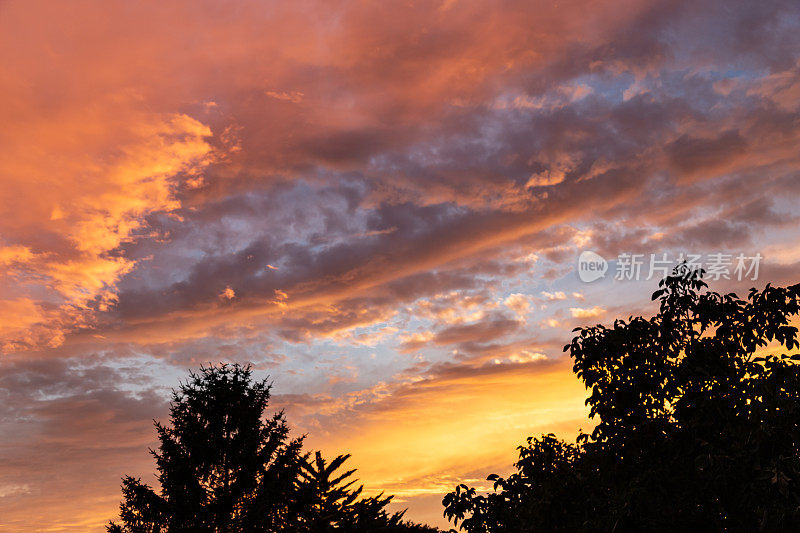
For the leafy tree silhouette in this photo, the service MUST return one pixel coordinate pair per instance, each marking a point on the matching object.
(224, 467)
(696, 430)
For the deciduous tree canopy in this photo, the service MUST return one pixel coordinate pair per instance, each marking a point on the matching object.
(697, 412)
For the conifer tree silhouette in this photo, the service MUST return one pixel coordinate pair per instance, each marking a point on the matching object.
(335, 504)
(225, 467)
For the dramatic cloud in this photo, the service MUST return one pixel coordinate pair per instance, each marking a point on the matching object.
(378, 204)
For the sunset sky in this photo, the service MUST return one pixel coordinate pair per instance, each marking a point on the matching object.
(380, 205)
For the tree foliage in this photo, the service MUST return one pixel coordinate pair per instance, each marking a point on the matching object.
(225, 467)
(697, 413)
(334, 503)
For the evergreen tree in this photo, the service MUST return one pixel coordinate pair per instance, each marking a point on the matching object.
(224, 467)
(335, 504)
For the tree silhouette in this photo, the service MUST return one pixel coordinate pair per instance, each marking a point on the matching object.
(697, 429)
(224, 467)
(335, 504)
(329, 490)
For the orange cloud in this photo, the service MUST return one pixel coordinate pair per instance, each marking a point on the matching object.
(578, 312)
(99, 189)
